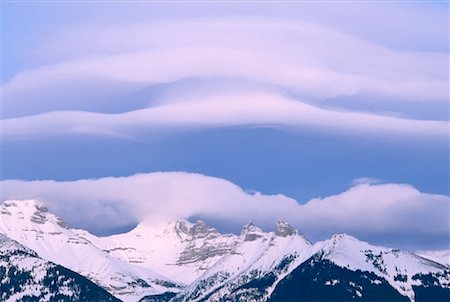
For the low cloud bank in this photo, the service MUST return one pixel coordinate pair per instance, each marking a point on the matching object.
(392, 214)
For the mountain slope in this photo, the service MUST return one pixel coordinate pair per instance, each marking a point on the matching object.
(277, 268)
(256, 254)
(30, 223)
(184, 261)
(181, 251)
(321, 280)
(402, 270)
(442, 257)
(24, 276)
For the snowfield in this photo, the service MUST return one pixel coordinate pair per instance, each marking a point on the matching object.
(186, 261)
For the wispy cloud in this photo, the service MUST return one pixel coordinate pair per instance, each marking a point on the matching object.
(366, 180)
(387, 213)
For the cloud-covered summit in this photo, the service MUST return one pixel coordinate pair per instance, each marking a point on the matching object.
(394, 214)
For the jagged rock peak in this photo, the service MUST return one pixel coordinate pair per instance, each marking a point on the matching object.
(31, 209)
(201, 230)
(24, 204)
(251, 232)
(284, 229)
(182, 227)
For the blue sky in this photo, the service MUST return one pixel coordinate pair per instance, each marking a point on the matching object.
(293, 98)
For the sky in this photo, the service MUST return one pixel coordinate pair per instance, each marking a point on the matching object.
(316, 111)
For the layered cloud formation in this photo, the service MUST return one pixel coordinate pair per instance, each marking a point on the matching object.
(392, 214)
(170, 76)
(346, 89)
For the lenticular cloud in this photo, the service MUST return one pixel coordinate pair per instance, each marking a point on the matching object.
(292, 66)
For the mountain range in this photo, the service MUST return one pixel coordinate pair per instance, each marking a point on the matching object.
(43, 259)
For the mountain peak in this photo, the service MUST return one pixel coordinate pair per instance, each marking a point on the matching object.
(343, 237)
(182, 226)
(31, 204)
(201, 230)
(343, 242)
(284, 229)
(251, 232)
(214, 265)
(32, 210)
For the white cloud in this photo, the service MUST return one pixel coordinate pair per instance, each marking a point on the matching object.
(371, 212)
(305, 57)
(296, 57)
(220, 111)
(366, 180)
(385, 209)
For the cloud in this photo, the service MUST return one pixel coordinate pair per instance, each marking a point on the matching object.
(392, 214)
(216, 111)
(297, 65)
(390, 210)
(304, 57)
(366, 180)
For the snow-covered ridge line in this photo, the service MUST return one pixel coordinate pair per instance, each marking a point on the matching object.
(192, 261)
(25, 276)
(31, 224)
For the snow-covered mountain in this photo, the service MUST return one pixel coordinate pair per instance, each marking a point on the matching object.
(402, 270)
(181, 251)
(256, 255)
(24, 276)
(32, 225)
(344, 268)
(184, 261)
(273, 267)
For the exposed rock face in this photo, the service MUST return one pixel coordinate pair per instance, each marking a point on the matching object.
(284, 229)
(184, 261)
(202, 244)
(201, 230)
(33, 210)
(40, 215)
(193, 254)
(251, 232)
(181, 229)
